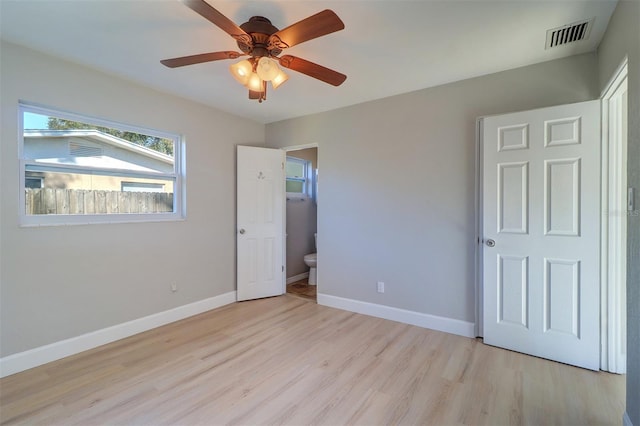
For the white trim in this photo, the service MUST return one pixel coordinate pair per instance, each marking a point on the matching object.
(299, 147)
(433, 322)
(626, 420)
(613, 227)
(479, 285)
(41, 355)
(618, 74)
(298, 277)
(88, 119)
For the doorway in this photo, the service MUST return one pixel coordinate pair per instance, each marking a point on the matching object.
(260, 223)
(301, 172)
(615, 201)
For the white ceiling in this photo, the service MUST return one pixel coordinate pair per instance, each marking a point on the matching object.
(388, 46)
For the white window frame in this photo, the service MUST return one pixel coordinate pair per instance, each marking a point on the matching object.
(307, 186)
(178, 175)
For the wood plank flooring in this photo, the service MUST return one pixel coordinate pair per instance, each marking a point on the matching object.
(285, 360)
(302, 289)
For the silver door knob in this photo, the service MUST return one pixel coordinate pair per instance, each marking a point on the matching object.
(241, 230)
(490, 243)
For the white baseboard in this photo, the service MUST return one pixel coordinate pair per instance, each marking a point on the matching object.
(626, 420)
(41, 355)
(448, 325)
(298, 277)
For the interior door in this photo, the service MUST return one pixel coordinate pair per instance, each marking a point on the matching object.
(260, 222)
(541, 227)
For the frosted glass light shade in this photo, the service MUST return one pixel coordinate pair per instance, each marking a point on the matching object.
(267, 68)
(255, 83)
(241, 71)
(279, 79)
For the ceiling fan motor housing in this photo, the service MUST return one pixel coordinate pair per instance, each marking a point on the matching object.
(260, 29)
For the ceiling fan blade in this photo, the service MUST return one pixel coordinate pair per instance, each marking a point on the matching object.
(225, 24)
(312, 70)
(322, 23)
(198, 59)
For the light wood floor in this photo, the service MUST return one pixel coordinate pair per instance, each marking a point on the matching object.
(285, 360)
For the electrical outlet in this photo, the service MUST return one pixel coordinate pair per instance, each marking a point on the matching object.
(380, 287)
(174, 287)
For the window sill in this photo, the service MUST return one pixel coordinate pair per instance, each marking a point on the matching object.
(71, 220)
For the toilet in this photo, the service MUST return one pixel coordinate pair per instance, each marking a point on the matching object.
(311, 260)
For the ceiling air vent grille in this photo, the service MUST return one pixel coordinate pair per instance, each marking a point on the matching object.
(569, 33)
(84, 150)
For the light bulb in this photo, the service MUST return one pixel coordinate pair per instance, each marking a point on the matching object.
(267, 68)
(241, 71)
(279, 79)
(255, 83)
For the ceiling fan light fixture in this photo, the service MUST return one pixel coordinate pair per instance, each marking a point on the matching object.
(279, 79)
(263, 43)
(242, 71)
(267, 68)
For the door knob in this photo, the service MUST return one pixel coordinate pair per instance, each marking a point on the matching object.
(241, 230)
(490, 243)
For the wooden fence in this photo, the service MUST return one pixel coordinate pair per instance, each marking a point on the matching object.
(77, 201)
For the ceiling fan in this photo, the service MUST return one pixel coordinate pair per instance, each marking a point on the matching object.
(263, 43)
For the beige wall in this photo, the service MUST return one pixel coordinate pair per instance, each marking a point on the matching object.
(62, 281)
(623, 38)
(397, 194)
(308, 154)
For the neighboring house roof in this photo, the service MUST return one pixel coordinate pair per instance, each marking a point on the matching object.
(101, 137)
(146, 158)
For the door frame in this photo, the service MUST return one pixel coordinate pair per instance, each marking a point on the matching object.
(613, 302)
(613, 245)
(287, 149)
(479, 242)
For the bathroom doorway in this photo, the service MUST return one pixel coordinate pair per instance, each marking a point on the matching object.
(301, 175)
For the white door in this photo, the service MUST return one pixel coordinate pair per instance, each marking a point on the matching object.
(541, 229)
(260, 222)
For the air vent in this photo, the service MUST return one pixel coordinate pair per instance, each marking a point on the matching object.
(569, 33)
(84, 150)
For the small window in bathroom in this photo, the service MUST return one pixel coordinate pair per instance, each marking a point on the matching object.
(299, 177)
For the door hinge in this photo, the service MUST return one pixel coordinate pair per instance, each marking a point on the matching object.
(282, 268)
(282, 166)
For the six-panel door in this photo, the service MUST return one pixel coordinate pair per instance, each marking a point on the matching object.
(541, 207)
(260, 222)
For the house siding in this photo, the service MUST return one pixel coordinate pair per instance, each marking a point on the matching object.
(56, 150)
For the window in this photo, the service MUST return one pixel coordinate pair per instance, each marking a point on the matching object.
(76, 169)
(142, 187)
(299, 178)
(33, 182)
